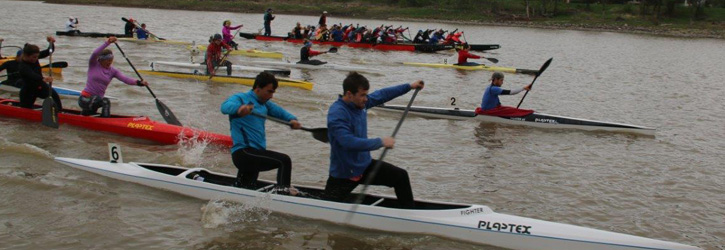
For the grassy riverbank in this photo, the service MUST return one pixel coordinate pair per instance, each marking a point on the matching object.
(659, 17)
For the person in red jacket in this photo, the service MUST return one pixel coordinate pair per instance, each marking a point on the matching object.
(214, 55)
(463, 56)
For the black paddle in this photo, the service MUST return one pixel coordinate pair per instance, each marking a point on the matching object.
(319, 134)
(493, 60)
(50, 108)
(56, 65)
(169, 116)
(369, 178)
(139, 26)
(541, 70)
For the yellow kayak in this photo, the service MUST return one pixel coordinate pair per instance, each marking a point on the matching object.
(247, 53)
(44, 67)
(151, 40)
(249, 81)
(476, 67)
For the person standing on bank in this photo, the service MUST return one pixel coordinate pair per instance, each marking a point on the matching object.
(350, 160)
(249, 152)
(268, 17)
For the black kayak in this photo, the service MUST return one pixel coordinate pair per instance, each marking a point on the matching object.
(89, 34)
(484, 47)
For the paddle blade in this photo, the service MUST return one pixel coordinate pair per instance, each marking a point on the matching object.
(493, 60)
(56, 65)
(50, 113)
(332, 50)
(543, 67)
(320, 134)
(169, 117)
(124, 19)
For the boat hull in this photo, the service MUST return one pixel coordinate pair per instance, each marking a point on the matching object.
(249, 81)
(477, 67)
(90, 34)
(383, 47)
(151, 40)
(132, 126)
(471, 223)
(538, 120)
(246, 52)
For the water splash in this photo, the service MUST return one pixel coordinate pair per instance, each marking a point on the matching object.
(191, 149)
(24, 148)
(218, 213)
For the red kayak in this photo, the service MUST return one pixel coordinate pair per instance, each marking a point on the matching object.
(133, 126)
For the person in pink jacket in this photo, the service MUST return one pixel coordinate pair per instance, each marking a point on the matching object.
(227, 33)
(100, 74)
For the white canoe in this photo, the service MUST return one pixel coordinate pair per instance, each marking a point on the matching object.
(310, 66)
(200, 66)
(471, 223)
(536, 119)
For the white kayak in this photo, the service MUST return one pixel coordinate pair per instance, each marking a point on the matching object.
(72, 93)
(536, 119)
(470, 223)
(200, 66)
(310, 66)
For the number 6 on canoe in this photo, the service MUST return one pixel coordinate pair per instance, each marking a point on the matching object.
(169, 116)
(319, 134)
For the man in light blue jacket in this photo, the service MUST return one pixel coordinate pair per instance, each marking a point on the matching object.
(350, 161)
(249, 152)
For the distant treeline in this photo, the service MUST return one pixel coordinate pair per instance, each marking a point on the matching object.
(694, 9)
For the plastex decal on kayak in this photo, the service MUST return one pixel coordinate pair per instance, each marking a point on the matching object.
(140, 126)
(503, 227)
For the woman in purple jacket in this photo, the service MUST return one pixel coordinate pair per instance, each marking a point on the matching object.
(100, 74)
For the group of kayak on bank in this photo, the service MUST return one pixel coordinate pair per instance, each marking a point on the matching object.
(25, 73)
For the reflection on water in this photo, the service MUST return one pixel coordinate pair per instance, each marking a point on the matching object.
(486, 136)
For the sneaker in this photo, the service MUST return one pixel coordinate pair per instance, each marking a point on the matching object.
(291, 191)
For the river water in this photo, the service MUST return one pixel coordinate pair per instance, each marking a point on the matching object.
(667, 187)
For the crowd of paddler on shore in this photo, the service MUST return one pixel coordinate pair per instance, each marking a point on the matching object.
(350, 161)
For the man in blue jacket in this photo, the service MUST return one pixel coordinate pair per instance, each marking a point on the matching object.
(249, 153)
(350, 161)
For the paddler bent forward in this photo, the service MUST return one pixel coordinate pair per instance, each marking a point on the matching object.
(249, 153)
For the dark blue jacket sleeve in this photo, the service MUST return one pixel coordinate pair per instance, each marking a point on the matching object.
(340, 128)
(386, 94)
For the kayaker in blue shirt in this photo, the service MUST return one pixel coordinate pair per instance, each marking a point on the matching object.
(350, 161)
(490, 99)
(249, 152)
(141, 33)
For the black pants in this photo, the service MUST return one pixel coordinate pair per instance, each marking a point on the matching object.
(226, 63)
(31, 92)
(90, 105)
(233, 44)
(251, 161)
(387, 175)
